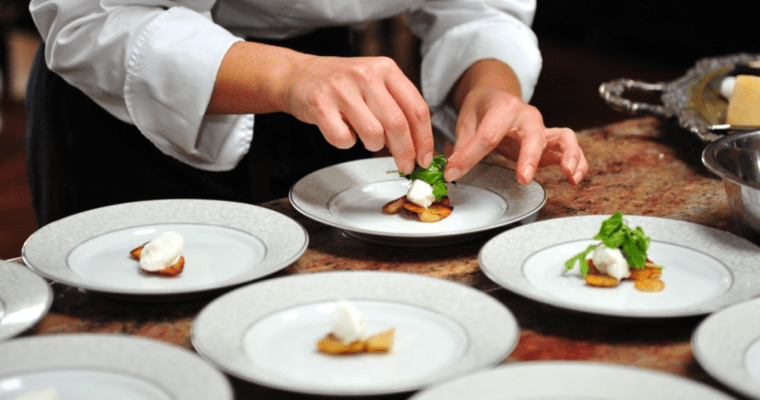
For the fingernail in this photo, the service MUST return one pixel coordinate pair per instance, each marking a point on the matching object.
(577, 177)
(573, 164)
(408, 167)
(527, 173)
(451, 174)
(427, 160)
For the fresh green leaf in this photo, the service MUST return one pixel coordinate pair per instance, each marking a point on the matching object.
(433, 175)
(616, 234)
(580, 258)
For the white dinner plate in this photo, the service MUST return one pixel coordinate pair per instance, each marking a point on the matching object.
(704, 268)
(226, 244)
(106, 366)
(24, 298)
(727, 345)
(350, 196)
(266, 333)
(571, 380)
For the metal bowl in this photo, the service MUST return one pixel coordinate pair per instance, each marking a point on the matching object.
(736, 159)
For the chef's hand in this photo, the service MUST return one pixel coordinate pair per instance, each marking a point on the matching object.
(491, 118)
(369, 97)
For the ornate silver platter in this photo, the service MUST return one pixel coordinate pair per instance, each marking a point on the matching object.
(694, 99)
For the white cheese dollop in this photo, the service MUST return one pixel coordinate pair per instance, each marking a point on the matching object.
(349, 325)
(421, 193)
(162, 252)
(611, 262)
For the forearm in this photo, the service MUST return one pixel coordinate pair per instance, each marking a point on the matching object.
(251, 78)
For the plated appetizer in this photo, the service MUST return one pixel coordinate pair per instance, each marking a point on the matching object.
(427, 197)
(622, 255)
(349, 334)
(162, 255)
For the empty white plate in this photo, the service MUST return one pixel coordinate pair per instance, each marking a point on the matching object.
(106, 366)
(266, 333)
(24, 298)
(704, 268)
(350, 196)
(727, 345)
(570, 380)
(226, 244)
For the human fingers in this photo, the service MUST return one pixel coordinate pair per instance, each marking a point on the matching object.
(393, 129)
(572, 160)
(335, 129)
(478, 133)
(417, 115)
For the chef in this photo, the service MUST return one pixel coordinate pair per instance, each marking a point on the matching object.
(238, 99)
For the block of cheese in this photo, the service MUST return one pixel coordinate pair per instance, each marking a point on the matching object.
(744, 105)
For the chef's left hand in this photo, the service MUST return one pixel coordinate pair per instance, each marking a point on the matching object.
(492, 116)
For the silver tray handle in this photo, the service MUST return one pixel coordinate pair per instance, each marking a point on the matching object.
(612, 92)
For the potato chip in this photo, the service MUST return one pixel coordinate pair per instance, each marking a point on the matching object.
(601, 281)
(650, 285)
(380, 343)
(648, 272)
(436, 212)
(394, 206)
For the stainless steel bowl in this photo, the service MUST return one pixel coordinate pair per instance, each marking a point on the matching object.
(736, 159)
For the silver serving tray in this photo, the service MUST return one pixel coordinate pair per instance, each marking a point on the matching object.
(694, 99)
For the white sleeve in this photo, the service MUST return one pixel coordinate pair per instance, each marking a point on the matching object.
(457, 33)
(152, 65)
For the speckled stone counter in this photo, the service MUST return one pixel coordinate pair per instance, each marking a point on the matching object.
(640, 166)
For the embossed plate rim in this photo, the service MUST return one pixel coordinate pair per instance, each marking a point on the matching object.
(721, 341)
(218, 331)
(178, 371)
(570, 379)
(22, 293)
(47, 250)
(312, 194)
(502, 259)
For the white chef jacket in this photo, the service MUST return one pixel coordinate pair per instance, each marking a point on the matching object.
(152, 63)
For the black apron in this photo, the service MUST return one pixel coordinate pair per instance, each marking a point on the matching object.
(80, 157)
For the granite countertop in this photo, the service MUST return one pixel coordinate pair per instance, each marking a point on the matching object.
(640, 166)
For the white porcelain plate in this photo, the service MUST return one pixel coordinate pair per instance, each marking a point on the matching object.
(24, 298)
(350, 196)
(266, 333)
(105, 366)
(727, 345)
(570, 380)
(226, 244)
(704, 268)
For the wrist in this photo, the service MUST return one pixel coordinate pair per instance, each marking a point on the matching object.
(484, 73)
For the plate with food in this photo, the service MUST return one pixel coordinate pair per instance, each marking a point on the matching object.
(162, 249)
(727, 345)
(633, 267)
(370, 200)
(570, 380)
(106, 366)
(354, 333)
(25, 298)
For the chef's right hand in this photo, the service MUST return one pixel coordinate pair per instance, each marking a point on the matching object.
(369, 97)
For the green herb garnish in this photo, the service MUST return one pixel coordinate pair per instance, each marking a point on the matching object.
(433, 175)
(615, 233)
